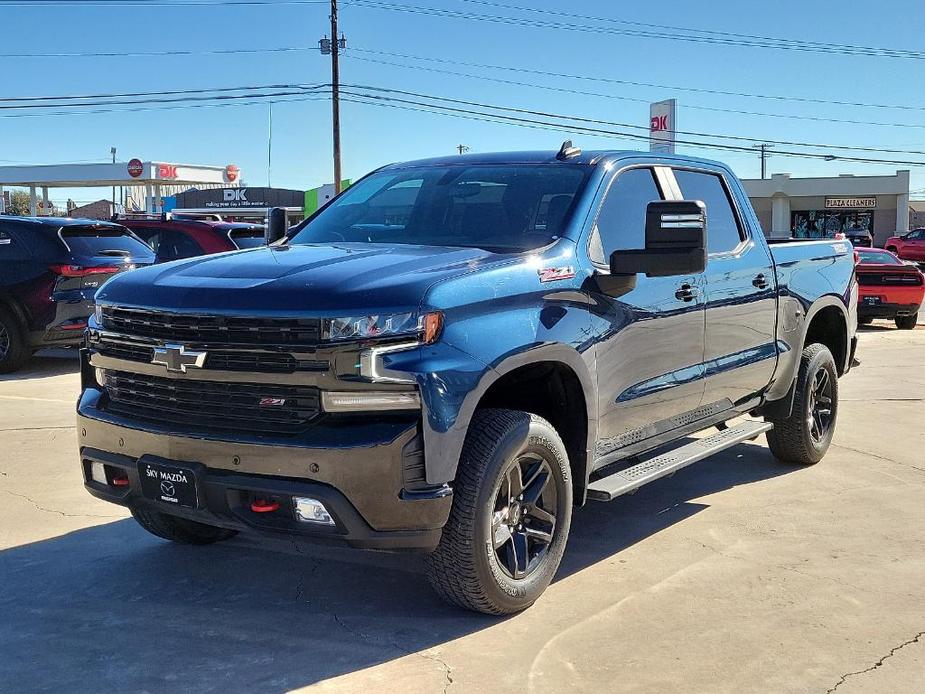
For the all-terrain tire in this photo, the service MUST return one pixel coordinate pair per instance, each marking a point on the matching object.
(180, 530)
(14, 351)
(464, 569)
(906, 322)
(791, 440)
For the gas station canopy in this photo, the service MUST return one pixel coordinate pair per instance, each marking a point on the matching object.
(155, 178)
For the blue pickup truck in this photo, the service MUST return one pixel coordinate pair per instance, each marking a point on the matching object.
(455, 352)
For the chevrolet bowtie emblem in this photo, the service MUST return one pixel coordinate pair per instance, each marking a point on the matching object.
(177, 359)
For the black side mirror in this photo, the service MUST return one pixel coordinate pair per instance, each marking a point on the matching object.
(676, 241)
(277, 225)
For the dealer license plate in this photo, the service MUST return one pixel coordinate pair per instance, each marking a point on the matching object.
(170, 484)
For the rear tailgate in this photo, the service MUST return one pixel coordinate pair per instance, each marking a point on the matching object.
(91, 254)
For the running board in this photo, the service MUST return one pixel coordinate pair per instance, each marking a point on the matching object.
(631, 478)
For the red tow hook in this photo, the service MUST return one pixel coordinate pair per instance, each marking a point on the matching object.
(121, 481)
(264, 506)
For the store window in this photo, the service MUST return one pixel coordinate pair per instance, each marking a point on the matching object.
(822, 224)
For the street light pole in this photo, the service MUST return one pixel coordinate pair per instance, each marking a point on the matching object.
(112, 150)
(335, 95)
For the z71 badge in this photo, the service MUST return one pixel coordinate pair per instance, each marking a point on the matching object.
(551, 274)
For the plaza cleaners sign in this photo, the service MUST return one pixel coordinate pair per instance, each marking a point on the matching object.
(850, 203)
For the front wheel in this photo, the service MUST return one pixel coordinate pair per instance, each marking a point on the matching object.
(805, 436)
(512, 507)
(906, 322)
(14, 352)
(179, 530)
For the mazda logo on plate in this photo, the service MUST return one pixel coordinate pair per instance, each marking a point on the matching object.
(177, 358)
(167, 489)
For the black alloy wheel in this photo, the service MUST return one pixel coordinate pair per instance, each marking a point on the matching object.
(523, 521)
(820, 405)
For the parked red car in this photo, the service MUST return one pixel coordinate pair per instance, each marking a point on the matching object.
(888, 288)
(173, 238)
(909, 246)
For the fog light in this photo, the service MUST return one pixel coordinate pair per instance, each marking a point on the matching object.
(310, 510)
(98, 473)
(100, 376)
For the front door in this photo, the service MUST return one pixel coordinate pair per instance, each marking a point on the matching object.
(649, 330)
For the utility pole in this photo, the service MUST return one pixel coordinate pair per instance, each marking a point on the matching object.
(764, 156)
(462, 149)
(335, 95)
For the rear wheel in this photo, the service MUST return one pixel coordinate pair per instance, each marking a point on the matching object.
(805, 436)
(14, 352)
(180, 530)
(906, 322)
(512, 506)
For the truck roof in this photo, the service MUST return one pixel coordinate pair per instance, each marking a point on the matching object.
(588, 158)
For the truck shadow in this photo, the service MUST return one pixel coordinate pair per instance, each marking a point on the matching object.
(110, 608)
(46, 362)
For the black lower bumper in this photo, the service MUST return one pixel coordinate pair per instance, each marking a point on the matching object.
(225, 499)
(886, 310)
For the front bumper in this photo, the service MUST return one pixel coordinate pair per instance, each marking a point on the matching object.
(358, 469)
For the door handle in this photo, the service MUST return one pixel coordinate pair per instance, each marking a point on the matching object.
(686, 292)
(761, 281)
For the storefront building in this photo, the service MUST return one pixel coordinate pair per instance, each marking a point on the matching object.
(240, 204)
(822, 207)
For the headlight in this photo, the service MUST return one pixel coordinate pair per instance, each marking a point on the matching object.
(375, 326)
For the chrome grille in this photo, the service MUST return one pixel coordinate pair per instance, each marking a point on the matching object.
(208, 406)
(217, 360)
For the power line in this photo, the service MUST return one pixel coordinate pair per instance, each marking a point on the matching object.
(149, 54)
(632, 83)
(180, 99)
(711, 32)
(638, 33)
(567, 90)
(153, 3)
(319, 96)
(572, 127)
(168, 92)
(752, 140)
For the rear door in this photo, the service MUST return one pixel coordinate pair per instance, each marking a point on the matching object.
(741, 308)
(649, 330)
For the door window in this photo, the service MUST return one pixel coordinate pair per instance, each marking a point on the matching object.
(723, 231)
(621, 221)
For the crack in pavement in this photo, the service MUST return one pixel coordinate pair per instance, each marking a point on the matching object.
(447, 670)
(878, 457)
(876, 665)
(39, 507)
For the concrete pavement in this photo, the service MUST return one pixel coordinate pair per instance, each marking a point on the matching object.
(738, 574)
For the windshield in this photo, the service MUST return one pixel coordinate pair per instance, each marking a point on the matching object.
(498, 208)
(879, 257)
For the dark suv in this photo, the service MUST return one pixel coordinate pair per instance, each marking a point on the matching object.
(173, 238)
(50, 268)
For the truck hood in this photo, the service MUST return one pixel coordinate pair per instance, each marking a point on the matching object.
(296, 280)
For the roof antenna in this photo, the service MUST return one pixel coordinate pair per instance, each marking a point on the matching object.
(566, 151)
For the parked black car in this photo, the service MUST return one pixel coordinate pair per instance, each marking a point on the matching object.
(50, 268)
(860, 237)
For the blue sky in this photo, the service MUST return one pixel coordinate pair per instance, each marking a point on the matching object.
(374, 135)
